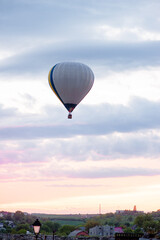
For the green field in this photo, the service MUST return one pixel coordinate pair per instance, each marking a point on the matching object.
(74, 220)
(69, 222)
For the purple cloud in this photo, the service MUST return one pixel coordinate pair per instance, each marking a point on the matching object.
(140, 114)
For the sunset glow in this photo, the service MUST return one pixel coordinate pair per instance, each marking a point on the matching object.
(109, 152)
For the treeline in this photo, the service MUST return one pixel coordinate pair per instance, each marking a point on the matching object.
(130, 223)
(71, 217)
(20, 222)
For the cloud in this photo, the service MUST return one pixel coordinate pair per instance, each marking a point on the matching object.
(76, 185)
(44, 172)
(49, 17)
(140, 114)
(105, 145)
(144, 144)
(106, 132)
(111, 172)
(114, 56)
(38, 37)
(7, 113)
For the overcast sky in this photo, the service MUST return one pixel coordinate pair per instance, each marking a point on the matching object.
(109, 152)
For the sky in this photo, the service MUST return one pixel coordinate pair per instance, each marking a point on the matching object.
(108, 155)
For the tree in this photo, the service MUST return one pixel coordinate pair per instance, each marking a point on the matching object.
(128, 230)
(18, 216)
(29, 219)
(65, 230)
(147, 222)
(8, 216)
(118, 218)
(22, 231)
(138, 230)
(91, 223)
(150, 226)
(111, 222)
(127, 224)
(45, 229)
(50, 227)
(139, 220)
(23, 226)
(130, 218)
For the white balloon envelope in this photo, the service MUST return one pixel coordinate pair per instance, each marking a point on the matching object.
(70, 81)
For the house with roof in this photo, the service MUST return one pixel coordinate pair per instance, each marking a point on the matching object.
(101, 231)
(2, 226)
(77, 233)
(10, 223)
(118, 230)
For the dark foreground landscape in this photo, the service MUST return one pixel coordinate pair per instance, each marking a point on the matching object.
(122, 225)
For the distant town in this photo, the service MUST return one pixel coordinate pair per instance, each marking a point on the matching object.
(131, 223)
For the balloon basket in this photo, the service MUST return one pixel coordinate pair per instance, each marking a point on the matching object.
(69, 116)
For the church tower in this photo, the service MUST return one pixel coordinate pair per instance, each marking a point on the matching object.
(134, 209)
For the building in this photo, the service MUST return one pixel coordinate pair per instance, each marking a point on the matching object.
(129, 212)
(77, 233)
(10, 223)
(105, 230)
(135, 208)
(2, 227)
(118, 230)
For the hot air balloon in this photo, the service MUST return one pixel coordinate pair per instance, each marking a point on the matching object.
(70, 81)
